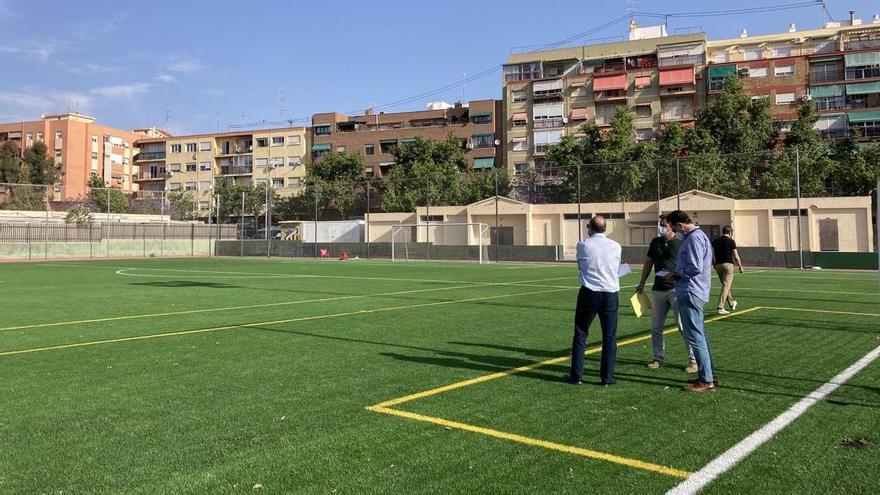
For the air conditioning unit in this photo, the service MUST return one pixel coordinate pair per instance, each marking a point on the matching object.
(698, 75)
(800, 40)
(469, 145)
(807, 97)
(564, 120)
(743, 71)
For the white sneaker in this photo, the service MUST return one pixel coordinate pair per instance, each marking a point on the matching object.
(733, 305)
(723, 311)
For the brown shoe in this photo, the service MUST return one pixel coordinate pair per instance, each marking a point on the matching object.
(697, 380)
(691, 367)
(700, 387)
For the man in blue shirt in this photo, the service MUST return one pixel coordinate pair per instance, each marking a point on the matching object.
(693, 276)
(598, 260)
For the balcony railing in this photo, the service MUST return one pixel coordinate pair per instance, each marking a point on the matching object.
(684, 60)
(861, 44)
(231, 170)
(548, 123)
(547, 95)
(826, 76)
(832, 103)
(834, 134)
(149, 155)
(862, 72)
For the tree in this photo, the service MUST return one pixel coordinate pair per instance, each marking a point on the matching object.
(183, 204)
(79, 215)
(39, 166)
(25, 197)
(424, 172)
(10, 163)
(104, 197)
(857, 170)
(736, 122)
(476, 186)
(230, 194)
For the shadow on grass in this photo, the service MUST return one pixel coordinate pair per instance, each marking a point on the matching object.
(178, 284)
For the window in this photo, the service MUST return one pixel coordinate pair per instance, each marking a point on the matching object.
(720, 57)
(276, 162)
(676, 109)
(758, 97)
(613, 216)
(863, 72)
(277, 140)
(792, 212)
(278, 182)
(431, 218)
(293, 161)
(175, 148)
(205, 185)
(174, 167)
(643, 82)
(205, 166)
(94, 138)
(520, 144)
(39, 136)
(174, 186)
(781, 51)
(190, 186)
(547, 115)
(340, 149)
(643, 111)
(752, 53)
(94, 155)
(205, 146)
(191, 167)
(57, 134)
(369, 149)
(829, 102)
(824, 72)
(57, 154)
(322, 130)
(261, 182)
(484, 140)
(644, 134)
(190, 147)
(295, 181)
(520, 168)
(522, 72)
(758, 72)
(261, 162)
(783, 70)
(293, 140)
(784, 98)
(262, 142)
(546, 138)
(604, 113)
(386, 145)
(203, 205)
(482, 118)
(519, 95)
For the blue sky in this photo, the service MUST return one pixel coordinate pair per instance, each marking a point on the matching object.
(198, 63)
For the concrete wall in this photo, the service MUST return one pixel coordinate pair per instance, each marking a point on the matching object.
(111, 248)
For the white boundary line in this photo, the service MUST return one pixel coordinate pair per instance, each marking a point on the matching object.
(723, 463)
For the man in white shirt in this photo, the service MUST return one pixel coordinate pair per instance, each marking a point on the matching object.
(598, 260)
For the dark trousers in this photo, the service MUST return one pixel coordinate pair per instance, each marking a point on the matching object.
(589, 305)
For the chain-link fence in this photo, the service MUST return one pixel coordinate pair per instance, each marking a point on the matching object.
(783, 207)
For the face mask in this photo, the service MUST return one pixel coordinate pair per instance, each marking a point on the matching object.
(663, 231)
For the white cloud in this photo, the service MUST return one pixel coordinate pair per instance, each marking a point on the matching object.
(121, 90)
(84, 68)
(166, 78)
(39, 50)
(36, 101)
(184, 64)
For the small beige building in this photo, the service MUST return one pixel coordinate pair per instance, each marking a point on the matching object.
(827, 224)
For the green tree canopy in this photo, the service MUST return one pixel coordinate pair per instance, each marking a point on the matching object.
(10, 163)
(39, 166)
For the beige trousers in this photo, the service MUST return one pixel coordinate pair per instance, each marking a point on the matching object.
(725, 274)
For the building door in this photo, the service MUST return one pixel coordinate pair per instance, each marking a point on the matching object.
(828, 240)
(503, 236)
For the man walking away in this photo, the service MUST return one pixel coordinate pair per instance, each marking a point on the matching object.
(725, 254)
(693, 276)
(598, 260)
(662, 255)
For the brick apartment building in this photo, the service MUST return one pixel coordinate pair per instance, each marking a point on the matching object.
(83, 148)
(374, 135)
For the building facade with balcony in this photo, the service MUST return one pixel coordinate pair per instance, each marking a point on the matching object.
(195, 163)
(550, 93)
(836, 67)
(477, 125)
(82, 148)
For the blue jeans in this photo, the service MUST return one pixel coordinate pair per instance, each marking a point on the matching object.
(690, 310)
(589, 305)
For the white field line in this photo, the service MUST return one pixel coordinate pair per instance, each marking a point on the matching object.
(723, 463)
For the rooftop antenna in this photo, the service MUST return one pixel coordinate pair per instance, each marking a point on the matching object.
(281, 101)
(167, 117)
(826, 11)
(217, 117)
(463, 88)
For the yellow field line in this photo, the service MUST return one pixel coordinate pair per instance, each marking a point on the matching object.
(275, 322)
(592, 454)
(529, 367)
(825, 311)
(823, 291)
(267, 305)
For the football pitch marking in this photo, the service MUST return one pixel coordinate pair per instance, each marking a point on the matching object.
(723, 463)
(386, 407)
(274, 322)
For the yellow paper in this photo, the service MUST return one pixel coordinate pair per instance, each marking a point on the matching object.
(640, 302)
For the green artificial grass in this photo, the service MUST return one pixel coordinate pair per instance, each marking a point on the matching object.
(271, 385)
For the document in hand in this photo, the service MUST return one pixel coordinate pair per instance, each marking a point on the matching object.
(640, 302)
(623, 270)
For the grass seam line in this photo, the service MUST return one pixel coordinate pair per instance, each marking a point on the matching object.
(723, 463)
(540, 364)
(823, 311)
(592, 454)
(273, 322)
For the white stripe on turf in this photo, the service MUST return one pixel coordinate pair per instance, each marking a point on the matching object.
(721, 464)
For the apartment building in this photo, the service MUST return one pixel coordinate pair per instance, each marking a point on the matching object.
(836, 67)
(83, 148)
(550, 93)
(374, 135)
(194, 163)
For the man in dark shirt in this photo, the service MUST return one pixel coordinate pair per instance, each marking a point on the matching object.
(662, 256)
(724, 250)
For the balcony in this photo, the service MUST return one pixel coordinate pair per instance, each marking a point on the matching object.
(682, 60)
(861, 44)
(149, 176)
(831, 103)
(147, 156)
(548, 94)
(834, 134)
(233, 170)
(862, 73)
(826, 76)
(548, 123)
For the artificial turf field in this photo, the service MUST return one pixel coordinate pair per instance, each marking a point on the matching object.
(300, 376)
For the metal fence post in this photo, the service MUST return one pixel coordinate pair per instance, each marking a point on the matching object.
(797, 172)
(677, 183)
(315, 239)
(427, 218)
(580, 227)
(495, 244)
(367, 220)
(241, 226)
(192, 240)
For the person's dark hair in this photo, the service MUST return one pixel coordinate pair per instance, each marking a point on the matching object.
(663, 218)
(678, 216)
(727, 230)
(597, 224)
